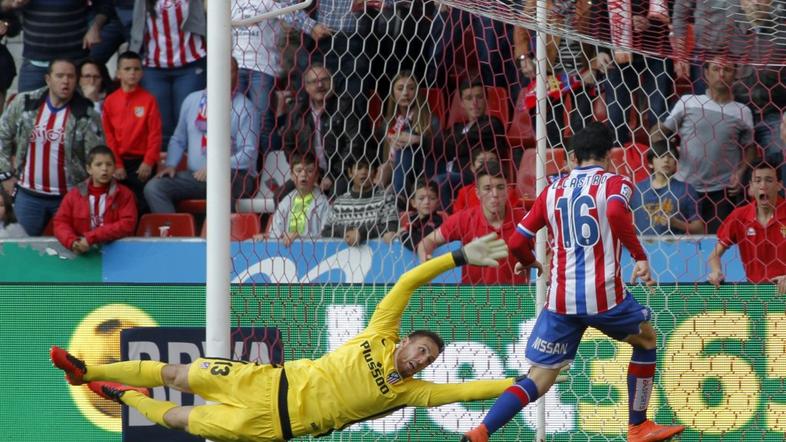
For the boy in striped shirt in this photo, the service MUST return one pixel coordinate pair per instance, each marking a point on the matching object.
(588, 216)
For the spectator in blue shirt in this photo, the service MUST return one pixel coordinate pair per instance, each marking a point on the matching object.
(661, 204)
(190, 136)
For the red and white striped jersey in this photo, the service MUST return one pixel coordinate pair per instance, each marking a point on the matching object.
(97, 209)
(167, 45)
(44, 170)
(585, 276)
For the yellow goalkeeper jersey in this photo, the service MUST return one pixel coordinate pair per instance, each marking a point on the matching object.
(358, 381)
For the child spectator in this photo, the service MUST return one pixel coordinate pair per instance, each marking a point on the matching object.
(98, 210)
(365, 211)
(468, 195)
(425, 217)
(132, 124)
(662, 204)
(303, 212)
(9, 228)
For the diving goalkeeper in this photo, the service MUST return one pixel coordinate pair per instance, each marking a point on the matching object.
(368, 377)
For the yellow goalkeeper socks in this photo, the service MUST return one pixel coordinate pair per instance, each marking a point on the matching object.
(134, 373)
(150, 408)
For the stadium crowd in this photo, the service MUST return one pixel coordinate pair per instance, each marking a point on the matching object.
(400, 120)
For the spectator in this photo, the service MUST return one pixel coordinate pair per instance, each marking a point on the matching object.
(304, 211)
(339, 31)
(716, 30)
(493, 215)
(94, 83)
(425, 217)
(493, 42)
(783, 128)
(454, 148)
(406, 134)
(322, 124)
(132, 124)
(9, 27)
(170, 186)
(468, 195)
(366, 211)
(645, 27)
(256, 49)
(55, 30)
(763, 89)
(98, 210)
(714, 131)
(47, 133)
(115, 32)
(757, 228)
(171, 37)
(573, 69)
(9, 228)
(661, 204)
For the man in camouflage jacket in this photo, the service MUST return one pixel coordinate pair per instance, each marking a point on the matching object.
(44, 139)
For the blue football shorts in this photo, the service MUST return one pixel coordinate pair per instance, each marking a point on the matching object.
(555, 339)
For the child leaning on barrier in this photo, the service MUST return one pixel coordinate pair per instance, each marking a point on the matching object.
(97, 210)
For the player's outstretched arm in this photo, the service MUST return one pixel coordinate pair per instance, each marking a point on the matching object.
(434, 395)
(483, 251)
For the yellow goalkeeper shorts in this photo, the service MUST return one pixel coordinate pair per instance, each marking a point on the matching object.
(247, 396)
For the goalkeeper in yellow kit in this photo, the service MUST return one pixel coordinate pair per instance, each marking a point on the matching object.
(368, 377)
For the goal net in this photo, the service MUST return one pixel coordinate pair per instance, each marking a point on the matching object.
(364, 104)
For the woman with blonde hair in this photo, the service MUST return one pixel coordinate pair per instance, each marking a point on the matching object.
(406, 134)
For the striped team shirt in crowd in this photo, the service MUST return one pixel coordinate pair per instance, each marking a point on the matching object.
(167, 45)
(97, 198)
(585, 277)
(44, 170)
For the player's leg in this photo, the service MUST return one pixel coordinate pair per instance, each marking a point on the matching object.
(629, 322)
(641, 374)
(135, 373)
(551, 345)
(527, 389)
(163, 413)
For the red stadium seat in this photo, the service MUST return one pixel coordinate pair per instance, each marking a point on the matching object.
(375, 109)
(636, 157)
(180, 224)
(618, 163)
(520, 132)
(496, 106)
(192, 206)
(49, 230)
(556, 162)
(243, 226)
(435, 97)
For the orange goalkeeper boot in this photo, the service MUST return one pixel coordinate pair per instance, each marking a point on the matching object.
(114, 391)
(649, 431)
(73, 367)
